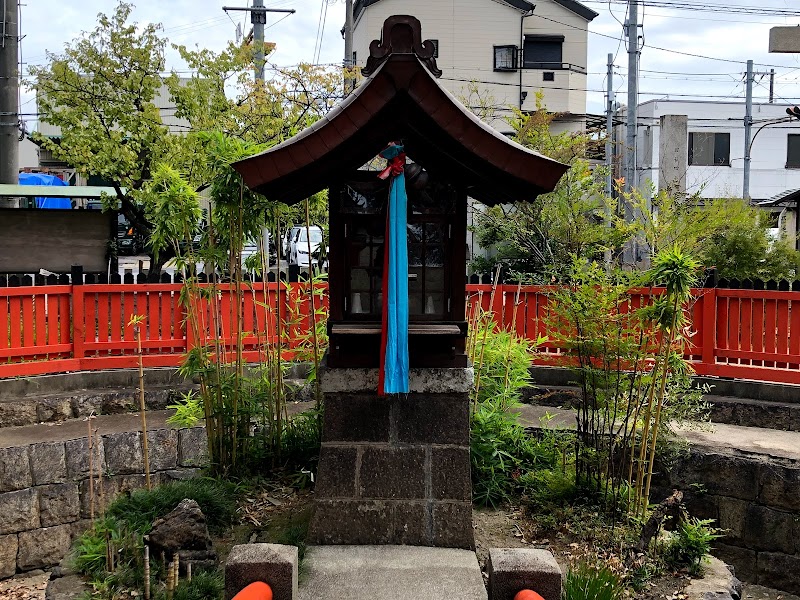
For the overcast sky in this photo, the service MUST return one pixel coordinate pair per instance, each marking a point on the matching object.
(49, 24)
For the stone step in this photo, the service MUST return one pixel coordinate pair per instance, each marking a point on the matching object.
(397, 572)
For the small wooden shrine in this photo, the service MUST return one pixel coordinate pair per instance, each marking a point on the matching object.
(375, 492)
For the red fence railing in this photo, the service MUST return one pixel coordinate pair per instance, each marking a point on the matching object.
(747, 334)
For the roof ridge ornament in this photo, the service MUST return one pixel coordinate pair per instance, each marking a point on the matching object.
(402, 34)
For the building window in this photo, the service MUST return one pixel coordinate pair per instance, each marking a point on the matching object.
(435, 48)
(505, 58)
(543, 51)
(548, 76)
(709, 149)
(793, 152)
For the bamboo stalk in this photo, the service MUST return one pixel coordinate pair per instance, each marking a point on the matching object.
(170, 580)
(512, 335)
(146, 572)
(177, 562)
(485, 336)
(142, 405)
(317, 391)
(188, 572)
(100, 479)
(89, 441)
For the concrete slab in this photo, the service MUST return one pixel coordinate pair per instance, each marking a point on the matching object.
(397, 572)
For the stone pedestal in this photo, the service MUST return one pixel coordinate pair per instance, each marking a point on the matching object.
(395, 469)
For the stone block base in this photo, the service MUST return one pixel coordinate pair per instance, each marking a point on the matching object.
(273, 564)
(514, 569)
(394, 470)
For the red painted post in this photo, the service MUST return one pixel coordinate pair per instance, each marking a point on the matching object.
(709, 326)
(78, 317)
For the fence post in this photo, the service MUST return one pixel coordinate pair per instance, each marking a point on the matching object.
(78, 325)
(709, 326)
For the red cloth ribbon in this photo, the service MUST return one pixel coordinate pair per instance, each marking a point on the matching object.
(395, 167)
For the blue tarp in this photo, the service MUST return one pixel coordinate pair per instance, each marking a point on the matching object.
(42, 179)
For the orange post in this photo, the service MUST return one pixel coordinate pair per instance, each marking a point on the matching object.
(527, 595)
(255, 591)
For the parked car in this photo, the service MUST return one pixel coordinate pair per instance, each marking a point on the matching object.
(299, 246)
(129, 241)
(290, 234)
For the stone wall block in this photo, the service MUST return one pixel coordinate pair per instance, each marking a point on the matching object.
(162, 447)
(779, 571)
(13, 414)
(450, 474)
(53, 409)
(123, 452)
(356, 418)
(8, 555)
(104, 494)
(779, 486)
(767, 529)
(84, 405)
(432, 419)
(120, 402)
(351, 522)
(15, 473)
(721, 474)
(19, 511)
(58, 504)
(392, 473)
(452, 525)
(337, 472)
(77, 456)
(732, 518)
(409, 524)
(48, 462)
(192, 447)
(744, 561)
(43, 547)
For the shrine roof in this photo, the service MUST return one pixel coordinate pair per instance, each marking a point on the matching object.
(402, 101)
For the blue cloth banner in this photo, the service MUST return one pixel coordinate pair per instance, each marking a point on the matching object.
(396, 349)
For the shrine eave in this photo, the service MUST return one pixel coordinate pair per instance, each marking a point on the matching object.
(402, 101)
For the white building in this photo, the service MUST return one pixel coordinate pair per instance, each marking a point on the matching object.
(712, 155)
(487, 41)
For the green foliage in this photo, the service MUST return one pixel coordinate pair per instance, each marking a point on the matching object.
(592, 582)
(690, 544)
(501, 452)
(188, 411)
(535, 240)
(215, 497)
(205, 585)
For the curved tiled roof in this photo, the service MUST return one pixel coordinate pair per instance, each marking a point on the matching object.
(402, 101)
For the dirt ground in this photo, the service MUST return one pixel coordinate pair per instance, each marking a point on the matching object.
(279, 514)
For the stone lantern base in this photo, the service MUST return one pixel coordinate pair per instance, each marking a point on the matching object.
(395, 469)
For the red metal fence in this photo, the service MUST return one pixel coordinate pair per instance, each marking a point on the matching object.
(747, 334)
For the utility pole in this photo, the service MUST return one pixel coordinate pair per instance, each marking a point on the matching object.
(610, 126)
(9, 96)
(258, 17)
(748, 129)
(349, 65)
(633, 95)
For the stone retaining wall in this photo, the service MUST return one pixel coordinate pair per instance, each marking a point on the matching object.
(756, 500)
(44, 487)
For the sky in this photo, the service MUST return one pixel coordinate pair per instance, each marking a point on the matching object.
(727, 39)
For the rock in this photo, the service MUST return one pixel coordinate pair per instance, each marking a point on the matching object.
(43, 547)
(718, 583)
(71, 587)
(19, 511)
(64, 568)
(58, 504)
(8, 555)
(183, 530)
(48, 463)
(53, 409)
(77, 457)
(15, 473)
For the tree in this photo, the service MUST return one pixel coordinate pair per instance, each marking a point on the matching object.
(534, 241)
(100, 91)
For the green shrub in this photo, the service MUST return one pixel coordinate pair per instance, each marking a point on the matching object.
(215, 497)
(205, 585)
(501, 453)
(589, 582)
(690, 544)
